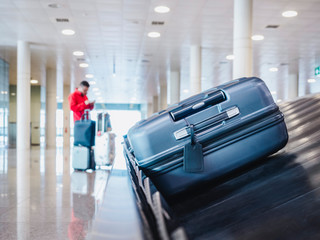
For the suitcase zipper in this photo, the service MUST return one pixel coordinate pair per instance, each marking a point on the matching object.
(176, 160)
(264, 113)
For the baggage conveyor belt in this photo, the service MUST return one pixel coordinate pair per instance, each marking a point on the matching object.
(275, 198)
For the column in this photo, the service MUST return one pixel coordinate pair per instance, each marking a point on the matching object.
(155, 102)
(293, 86)
(195, 69)
(51, 108)
(150, 109)
(242, 43)
(23, 95)
(163, 97)
(174, 88)
(66, 116)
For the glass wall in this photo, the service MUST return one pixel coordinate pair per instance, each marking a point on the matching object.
(4, 102)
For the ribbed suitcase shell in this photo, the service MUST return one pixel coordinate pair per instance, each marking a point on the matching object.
(255, 131)
(81, 158)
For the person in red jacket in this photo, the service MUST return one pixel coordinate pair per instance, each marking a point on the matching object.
(79, 102)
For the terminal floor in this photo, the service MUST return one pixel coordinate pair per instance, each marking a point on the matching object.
(41, 197)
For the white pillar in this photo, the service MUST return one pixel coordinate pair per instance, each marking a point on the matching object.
(242, 43)
(163, 97)
(293, 86)
(150, 109)
(23, 193)
(23, 95)
(174, 88)
(195, 69)
(51, 107)
(155, 104)
(66, 116)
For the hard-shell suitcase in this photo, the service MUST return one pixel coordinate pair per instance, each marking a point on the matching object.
(105, 149)
(84, 131)
(208, 135)
(83, 158)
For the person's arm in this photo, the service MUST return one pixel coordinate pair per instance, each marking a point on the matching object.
(91, 106)
(76, 107)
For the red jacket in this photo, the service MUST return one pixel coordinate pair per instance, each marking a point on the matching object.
(77, 105)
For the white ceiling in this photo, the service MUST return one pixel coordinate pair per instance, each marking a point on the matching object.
(111, 31)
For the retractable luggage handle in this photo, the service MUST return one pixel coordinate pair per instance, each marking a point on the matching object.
(85, 114)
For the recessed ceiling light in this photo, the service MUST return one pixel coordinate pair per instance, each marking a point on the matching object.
(97, 93)
(279, 100)
(273, 92)
(290, 13)
(54, 5)
(186, 90)
(68, 32)
(83, 65)
(230, 57)
(162, 9)
(95, 89)
(311, 80)
(89, 76)
(33, 81)
(273, 69)
(92, 82)
(78, 53)
(257, 37)
(4, 92)
(13, 94)
(154, 34)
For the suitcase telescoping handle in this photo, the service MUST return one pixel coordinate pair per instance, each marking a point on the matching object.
(208, 100)
(85, 115)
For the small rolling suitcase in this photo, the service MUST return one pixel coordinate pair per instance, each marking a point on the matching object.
(105, 149)
(84, 131)
(83, 158)
(208, 135)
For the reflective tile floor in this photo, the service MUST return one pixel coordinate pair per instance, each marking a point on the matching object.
(41, 197)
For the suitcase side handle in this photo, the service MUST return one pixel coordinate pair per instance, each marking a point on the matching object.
(208, 100)
(228, 114)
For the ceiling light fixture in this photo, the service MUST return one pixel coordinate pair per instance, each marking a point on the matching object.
(13, 94)
(95, 89)
(311, 80)
(279, 100)
(68, 32)
(78, 53)
(154, 34)
(92, 82)
(54, 5)
(162, 9)
(83, 65)
(273, 69)
(89, 76)
(273, 92)
(289, 13)
(186, 90)
(97, 93)
(257, 37)
(230, 57)
(33, 81)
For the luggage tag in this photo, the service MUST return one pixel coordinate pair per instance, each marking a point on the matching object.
(193, 155)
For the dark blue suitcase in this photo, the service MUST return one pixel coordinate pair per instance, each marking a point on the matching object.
(208, 135)
(84, 132)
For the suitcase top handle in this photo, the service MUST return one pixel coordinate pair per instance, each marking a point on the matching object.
(208, 100)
